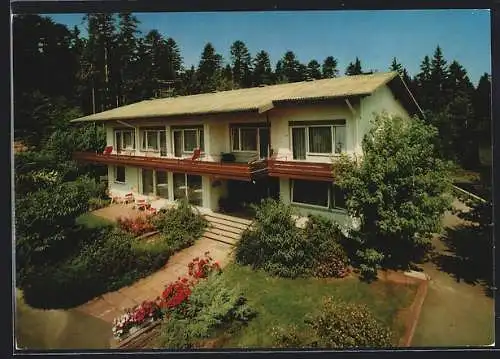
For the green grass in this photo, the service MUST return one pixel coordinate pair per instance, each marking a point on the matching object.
(283, 302)
(90, 220)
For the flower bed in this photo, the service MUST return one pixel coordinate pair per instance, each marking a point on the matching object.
(173, 298)
(137, 226)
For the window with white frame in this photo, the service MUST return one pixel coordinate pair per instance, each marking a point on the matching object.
(317, 193)
(249, 138)
(124, 140)
(319, 137)
(185, 140)
(151, 139)
(119, 174)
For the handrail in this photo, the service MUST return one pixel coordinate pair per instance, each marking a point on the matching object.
(467, 193)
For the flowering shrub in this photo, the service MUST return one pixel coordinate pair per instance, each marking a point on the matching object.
(174, 299)
(202, 267)
(136, 226)
(176, 293)
(147, 311)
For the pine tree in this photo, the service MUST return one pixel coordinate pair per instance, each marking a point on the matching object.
(279, 75)
(482, 109)
(100, 52)
(209, 69)
(354, 68)
(329, 68)
(241, 62)
(127, 57)
(262, 72)
(314, 70)
(422, 83)
(291, 69)
(438, 94)
(396, 66)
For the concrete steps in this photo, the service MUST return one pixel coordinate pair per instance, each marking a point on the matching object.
(224, 228)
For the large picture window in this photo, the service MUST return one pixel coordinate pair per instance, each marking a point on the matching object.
(155, 182)
(250, 139)
(153, 140)
(318, 138)
(185, 140)
(119, 174)
(188, 186)
(124, 140)
(317, 193)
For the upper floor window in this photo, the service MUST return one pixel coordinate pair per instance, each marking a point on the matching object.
(185, 140)
(250, 138)
(153, 140)
(124, 140)
(244, 139)
(319, 137)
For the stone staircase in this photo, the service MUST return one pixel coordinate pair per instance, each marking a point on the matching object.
(224, 228)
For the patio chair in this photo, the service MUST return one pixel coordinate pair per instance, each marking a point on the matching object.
(196, 154)
(107, 150)
(129, 198)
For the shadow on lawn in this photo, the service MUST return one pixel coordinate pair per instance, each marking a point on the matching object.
(468, 255)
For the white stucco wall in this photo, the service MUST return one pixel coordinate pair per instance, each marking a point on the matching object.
(382, 100)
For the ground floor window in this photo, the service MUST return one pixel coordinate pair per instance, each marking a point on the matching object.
(119, 174)
(188, 186)
(155, 183)
(317, 193)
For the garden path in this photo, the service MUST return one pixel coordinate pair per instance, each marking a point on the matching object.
(456, 312)
(110, 305)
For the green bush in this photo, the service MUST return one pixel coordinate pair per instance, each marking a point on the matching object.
(212, 307)
(107, 261)
(180, 225)
(339, 325)
(329, 257)
(346, 325)
(275, 244)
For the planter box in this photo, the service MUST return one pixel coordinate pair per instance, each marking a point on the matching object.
(136, 337)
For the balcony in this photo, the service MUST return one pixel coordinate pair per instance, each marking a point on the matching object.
(301, 170)
(222, 170)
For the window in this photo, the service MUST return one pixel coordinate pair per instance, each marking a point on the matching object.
(187, 139)
(148, 182)
(162, 184)
(317, 193)
(124, 140)
(321, 137)
(151, 140)
(155, 183)
(188, 186)
(250, 139)
(120, 174)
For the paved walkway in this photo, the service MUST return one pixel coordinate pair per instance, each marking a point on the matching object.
(110, 305)
(454, 313)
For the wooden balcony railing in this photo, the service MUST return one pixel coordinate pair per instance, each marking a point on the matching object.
(301, 170)
(223, 170)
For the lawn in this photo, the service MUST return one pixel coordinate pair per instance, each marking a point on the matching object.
(90, 220)
(283, 302)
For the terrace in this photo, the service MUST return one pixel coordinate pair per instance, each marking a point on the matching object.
(222, 170)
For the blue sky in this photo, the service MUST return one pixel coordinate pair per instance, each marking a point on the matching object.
(374, 36)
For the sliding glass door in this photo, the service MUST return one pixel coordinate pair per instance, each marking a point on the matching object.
(190, 187)
(155, 183)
